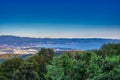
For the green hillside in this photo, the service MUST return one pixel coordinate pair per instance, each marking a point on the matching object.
(102, 64)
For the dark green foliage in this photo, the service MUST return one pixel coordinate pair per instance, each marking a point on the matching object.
(47, 54)
(40, 61)
(38, 65)
(60, 68)
(110, 49)
(26, 72)
(2, 76)
(9, 66)
(34, 68)
(102, 64)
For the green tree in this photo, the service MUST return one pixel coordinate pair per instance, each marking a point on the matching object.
(47, 53)
(25, 72)
(62, 68)
(110, 49)
(66, 67)
(39, 64)
(40, 61)
(9, 66)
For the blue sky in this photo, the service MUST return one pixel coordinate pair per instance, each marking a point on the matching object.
(60, 18)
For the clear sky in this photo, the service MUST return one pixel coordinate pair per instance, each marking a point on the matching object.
(60, 18)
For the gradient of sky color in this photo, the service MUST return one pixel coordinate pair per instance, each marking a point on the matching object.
(60, 18)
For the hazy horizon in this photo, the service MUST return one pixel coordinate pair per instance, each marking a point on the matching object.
(61, 37)
(61, 18)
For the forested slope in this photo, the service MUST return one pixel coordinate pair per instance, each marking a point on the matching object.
(102, 64)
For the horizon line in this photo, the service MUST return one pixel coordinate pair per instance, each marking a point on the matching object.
(62, 37)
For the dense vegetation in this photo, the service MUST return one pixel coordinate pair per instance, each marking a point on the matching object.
(102, 64)
(10, 56)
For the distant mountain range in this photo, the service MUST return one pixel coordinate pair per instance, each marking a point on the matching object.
(27, 41)
(15, 40)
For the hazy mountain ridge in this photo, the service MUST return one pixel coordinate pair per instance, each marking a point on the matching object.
(16, 41)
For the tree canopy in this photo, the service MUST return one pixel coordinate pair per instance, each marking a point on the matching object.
(102, 64)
